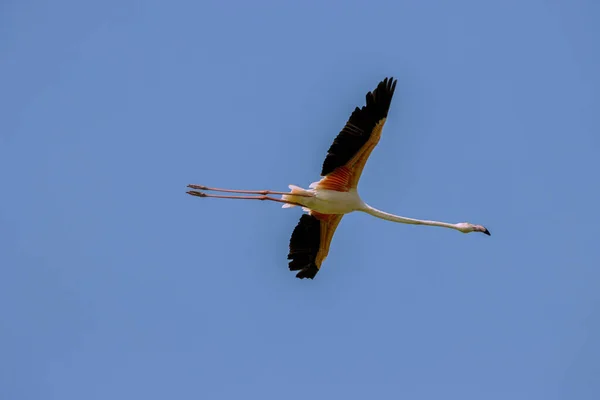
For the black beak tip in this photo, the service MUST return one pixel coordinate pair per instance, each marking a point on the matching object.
(487, 232)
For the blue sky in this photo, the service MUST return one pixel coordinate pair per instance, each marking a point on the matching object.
(117, 285)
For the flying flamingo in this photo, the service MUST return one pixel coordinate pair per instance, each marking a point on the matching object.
(336, 193)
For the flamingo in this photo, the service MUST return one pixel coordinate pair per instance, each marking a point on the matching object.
(335, 194)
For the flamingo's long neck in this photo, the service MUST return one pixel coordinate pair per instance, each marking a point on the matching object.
(403, 220)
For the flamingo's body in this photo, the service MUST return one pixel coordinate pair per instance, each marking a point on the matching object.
(335, 195)
(325, 201)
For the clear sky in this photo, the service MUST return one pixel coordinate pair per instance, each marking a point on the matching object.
(115, 284)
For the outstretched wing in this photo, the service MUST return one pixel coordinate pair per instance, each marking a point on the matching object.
(309, 244)
(351, 148)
